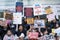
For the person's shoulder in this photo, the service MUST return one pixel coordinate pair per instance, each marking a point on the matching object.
(5, 35)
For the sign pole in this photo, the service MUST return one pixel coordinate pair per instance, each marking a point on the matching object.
(16, 27)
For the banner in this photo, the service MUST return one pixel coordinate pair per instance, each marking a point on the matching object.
(28, 12)
(17, 18)
(30, 20)
(51, 17)
(19, 7)
(37, 9)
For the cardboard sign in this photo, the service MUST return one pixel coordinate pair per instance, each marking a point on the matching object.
(37, 9)
(48, 10)
(30, 20)
(40, 23)
(28, 12)
(17, 18)
(19, 7)
(33, 35)
(51, 17)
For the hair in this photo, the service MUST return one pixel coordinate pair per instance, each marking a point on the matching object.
(9, 30)
(31, 24)
(35, 17)
(43, 30)
(20, 25)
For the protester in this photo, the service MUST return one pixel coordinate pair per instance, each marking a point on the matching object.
(9, 36)
(32, 33)
(21, 30)
(51, 30)
(24, 23)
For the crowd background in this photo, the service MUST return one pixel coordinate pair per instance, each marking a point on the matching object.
(40, 20)
(30, 31)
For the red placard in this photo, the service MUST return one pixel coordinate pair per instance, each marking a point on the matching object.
(28, 12)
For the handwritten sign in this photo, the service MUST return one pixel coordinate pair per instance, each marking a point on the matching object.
(37, 9)
(28, 12)
(33, 35)
(17, 18)
(30, 20)
(51, 17)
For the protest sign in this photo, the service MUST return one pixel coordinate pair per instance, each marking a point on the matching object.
(28, 11)
(51, 17)
(37, 9)
(30, 20)
(17, 18)
(33, 35)
(40, 23)
(19, 7)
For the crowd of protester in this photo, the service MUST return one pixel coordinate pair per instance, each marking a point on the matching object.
(9, 32)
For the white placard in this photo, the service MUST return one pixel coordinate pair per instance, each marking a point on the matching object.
(17, 18)
(51, 17)
(40, 23)
(37, 9)
(57, 31)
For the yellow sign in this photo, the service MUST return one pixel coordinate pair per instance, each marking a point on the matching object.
(48, 10)
(53, 31)
(30, 20)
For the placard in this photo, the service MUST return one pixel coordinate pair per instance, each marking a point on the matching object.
(40, 23)
(57, 31)
(19, 7)
(51, 17)
(30, 20)
(48, 10)
(33, 35)
(8, 15)
(17, 18)
(28, 12)
(37, 9)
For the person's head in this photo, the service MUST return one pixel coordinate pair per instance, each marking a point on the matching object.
(57, 25)
(54, 21)
(44, 31)
(31, 26)
(9, 32)
(25, 21)
(36, 17)
(20, 27)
